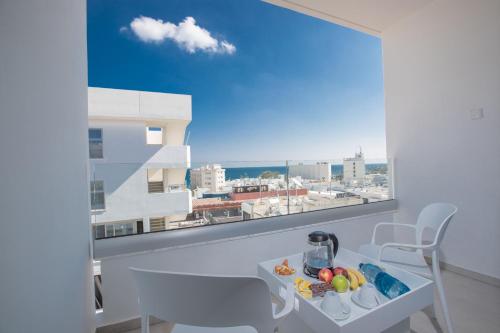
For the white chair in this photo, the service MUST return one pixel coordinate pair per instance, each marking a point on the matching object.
(207, 303)
(410, 257)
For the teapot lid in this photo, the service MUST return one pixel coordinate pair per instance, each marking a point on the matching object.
(318, 236)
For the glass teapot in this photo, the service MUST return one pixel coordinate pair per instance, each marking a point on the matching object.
(320, 252)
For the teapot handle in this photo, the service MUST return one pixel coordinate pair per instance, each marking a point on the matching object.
(335, 242)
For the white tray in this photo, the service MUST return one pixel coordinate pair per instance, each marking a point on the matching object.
(384, 316)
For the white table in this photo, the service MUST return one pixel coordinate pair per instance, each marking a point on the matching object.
(391, 316)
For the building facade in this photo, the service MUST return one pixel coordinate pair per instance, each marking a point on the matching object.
(354, 169)
(211, 177)
(319, 171)
(138, 160)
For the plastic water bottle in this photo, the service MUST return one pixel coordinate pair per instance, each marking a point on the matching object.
(388, 285)
(370, 271)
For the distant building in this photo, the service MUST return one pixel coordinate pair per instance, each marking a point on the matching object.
(320, 171)
(253, 192)
(354, 169)
(138, 160)
(216, 210)
(212, 177)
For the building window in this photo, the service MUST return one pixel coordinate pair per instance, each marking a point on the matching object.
(99, 231)
(155, 181)
(97, 200)
(121, 228)
(95, 143)
(154, 135)
(157, 223)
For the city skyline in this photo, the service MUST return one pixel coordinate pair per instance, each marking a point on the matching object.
(267, 84)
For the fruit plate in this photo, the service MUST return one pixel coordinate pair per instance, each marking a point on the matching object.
(386, 315)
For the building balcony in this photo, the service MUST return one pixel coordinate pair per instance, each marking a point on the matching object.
(152, 156)
(175, 200)
(171, 157)
(138, 105)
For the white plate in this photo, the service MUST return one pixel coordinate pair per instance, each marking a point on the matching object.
(357, 301)
(346, 312)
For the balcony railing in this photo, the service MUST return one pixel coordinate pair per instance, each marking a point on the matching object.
(156, 187)
(243, 191)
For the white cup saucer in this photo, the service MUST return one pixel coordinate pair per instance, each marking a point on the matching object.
(344, 314)
(366, 303)
(333, 305)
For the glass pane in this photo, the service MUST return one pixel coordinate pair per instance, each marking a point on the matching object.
(97, 201)
(95, 133)
(100, 232)
(120, 230)
(110, 230)
(97, 186)
(95, 149)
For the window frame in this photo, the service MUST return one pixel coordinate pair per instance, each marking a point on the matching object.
(102, 142)
(93, 193)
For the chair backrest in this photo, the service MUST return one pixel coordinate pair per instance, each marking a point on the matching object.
(435, 216)
(205, 300)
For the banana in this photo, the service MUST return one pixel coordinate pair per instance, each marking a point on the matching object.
(353, 279)
(359, 275)
(302, 287)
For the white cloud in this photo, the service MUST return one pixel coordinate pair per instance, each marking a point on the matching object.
(228, 47)
(123, 29)
(187, 35)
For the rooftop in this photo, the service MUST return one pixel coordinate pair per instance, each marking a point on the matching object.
(107, 103)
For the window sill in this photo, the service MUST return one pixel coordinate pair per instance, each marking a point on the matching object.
(110, 247)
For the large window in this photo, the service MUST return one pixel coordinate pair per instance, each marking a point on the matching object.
(253, 114)
(121, 228)
(97, 196)
(95, 143)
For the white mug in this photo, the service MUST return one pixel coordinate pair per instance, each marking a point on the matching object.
(368, 296)
(333, 305)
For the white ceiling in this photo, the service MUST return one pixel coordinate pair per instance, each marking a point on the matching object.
(370, 16)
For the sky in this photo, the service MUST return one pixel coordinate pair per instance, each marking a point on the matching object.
(267, 83)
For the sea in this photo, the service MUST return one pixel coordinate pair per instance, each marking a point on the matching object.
(255, 172)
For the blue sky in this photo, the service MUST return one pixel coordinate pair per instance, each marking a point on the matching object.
(266, 83)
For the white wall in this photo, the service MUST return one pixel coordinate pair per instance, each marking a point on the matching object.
(45, 281)
(124, 142)
(127, 195)
(440, 63)
(134, 104)
(237, 256)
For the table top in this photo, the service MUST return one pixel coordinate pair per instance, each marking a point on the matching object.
(387, 314)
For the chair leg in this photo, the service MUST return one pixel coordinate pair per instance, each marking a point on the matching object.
(439, 284)
(144, 323)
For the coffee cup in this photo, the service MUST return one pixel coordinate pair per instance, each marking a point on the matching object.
(368, 296)
(333, 305)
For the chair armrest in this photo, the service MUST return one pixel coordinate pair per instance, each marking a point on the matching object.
(289, 302)
(409, 246)
(412, 226)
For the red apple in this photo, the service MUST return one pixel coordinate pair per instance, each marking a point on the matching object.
(340, 271)
(325, 275)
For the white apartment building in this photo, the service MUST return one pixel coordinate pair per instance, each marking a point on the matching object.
(138, 160)
(212, 177)
(320, 171)
(354, 169)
